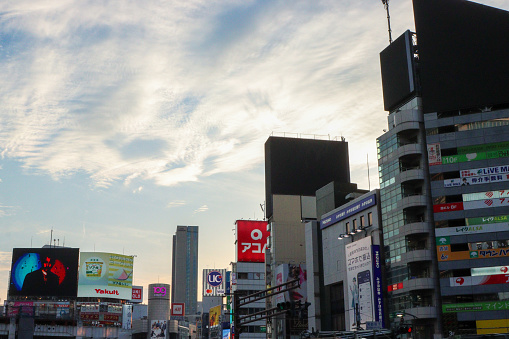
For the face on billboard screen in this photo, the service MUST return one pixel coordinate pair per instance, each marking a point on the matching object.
(105, 275)
(251, 240)
(158, 329)
(44, 272)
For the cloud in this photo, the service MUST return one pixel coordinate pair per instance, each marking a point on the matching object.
(5, 260)
(195, 91)
(175, 203)
(138, 190)
(8, 211)
(201, 209)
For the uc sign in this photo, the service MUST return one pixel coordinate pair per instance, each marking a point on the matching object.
(214, 278)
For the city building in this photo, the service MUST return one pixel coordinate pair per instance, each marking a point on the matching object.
(443, 170)
(184, 268)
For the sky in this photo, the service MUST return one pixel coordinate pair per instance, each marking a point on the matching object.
(120, 120)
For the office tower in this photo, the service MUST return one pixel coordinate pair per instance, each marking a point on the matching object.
(444, 170)
(184, 272)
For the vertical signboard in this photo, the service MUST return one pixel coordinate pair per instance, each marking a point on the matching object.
(105, 275)
(127, 317)
(434, 154)
(364, 283)
(137, 294)
(251, 240)
(215, 316)
(214, 282)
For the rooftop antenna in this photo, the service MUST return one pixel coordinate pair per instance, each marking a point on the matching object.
(51, 237)
(386, 6)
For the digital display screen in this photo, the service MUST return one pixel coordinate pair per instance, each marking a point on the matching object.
(44, 272)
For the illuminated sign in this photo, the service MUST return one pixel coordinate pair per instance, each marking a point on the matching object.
(348, 211)
(479, 280)
(159, 291)
(476, 307)
(178, 309)
(450, 207)
(489, 270)
(105, 273)
(213, 282)
(251, 240)
(137, 294)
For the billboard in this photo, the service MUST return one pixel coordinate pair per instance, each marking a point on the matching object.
(479, 280)
(105, 275)
(364, 283)
(158, 329)
(472, 229)
(251, 240)
(44, 272)
(444, 252)
(489, 270)
(477, 180)
(434, 154)
(289, 272)
(348, 211)
(137, 294)
(448, 207)
(178, 309)
(127, 317)
(215, 316)
(214, 282)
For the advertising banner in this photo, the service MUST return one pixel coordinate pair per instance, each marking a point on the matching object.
(494, 270)
(215, 316)
(359, 273)
(158, 329)
(281, 274)
(487, 220)
(476, 307)
(137, 294)
(449, 207)
(444, 253)
(472, 229)
(488, 203)
(41, 272)
(377, 286)
(484, 171)
(479, 280)
(434, 154)
(214, 282)
(348, 211)
(485, 195)
(289, 272)
(106, 275)
(484, 148)
(226, 333)
(251, 240)
(453, 159)
(483, 179)
(178, 309)
(127, 317)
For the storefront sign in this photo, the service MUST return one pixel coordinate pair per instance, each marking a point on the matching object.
(489, 270)
(485, 195)
(454, 206)
(348, 211)
(488, 203)
(476, 307)
(467, 181)
(484, 171)
(444, 253)
(487, 220)
(479, 280)
(472, 229)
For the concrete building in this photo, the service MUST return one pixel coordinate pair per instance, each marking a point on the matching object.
(184, 268)
(443, 166)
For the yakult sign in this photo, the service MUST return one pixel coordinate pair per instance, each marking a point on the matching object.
(251, 240)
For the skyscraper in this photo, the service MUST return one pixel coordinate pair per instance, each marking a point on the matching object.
(184, 268)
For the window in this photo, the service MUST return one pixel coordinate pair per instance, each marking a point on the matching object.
(354, 224)
(363, 221)
(370, 219)
(347, 227)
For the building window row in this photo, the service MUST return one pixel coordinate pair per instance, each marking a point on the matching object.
(468, 126)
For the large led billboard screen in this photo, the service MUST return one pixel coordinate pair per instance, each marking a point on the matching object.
(251, 240)
(44, 272)
(105, 275)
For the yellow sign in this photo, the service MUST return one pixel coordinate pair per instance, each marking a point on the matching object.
(444, 253)
(492, 326)
(215, 315)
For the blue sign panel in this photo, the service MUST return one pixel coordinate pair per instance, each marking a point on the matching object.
(348, 211)
(215, 278)
(377, 286)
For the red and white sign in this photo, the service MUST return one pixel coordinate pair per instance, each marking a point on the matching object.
(453, 206)
(500, 202)
(178, 309)
(137, 295)
(394, 287)
(480, 280)
(251, 240)
(434, 154)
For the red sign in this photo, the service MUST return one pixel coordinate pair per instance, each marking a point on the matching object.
(251, 240)
(137, 295)
(480, 280)
(395, 287)
(178, 309)
(453, 206)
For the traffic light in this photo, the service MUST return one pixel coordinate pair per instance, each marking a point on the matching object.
(405, 329)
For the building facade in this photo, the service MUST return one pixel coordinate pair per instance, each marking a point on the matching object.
(184, 273)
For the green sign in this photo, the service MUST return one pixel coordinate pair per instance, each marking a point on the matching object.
(503, 153)
(483, 148)
(443, 241)
(263, 329)
(476, 307)
(453, 159)
(487, 220)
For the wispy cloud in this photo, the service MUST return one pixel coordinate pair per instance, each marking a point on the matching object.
(201, 209)
(175, 203)
(7, 211)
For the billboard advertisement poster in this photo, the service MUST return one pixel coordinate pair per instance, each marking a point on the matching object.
(137, 294)
(215, 315)
(434, 154)
(251, 240)
(44, 272)
(226, 333)
(487, 203)
(105, 275)
(472, 229)
(289, 272)
(359, 273)
(479, 280)
(485, 195)
(494, 270)
(444, 253)
(214, 282)
(158, 329)
(178, 309)
(449, 207)
(484, 171)
(127, 317)
(483, 179)
(487, 220)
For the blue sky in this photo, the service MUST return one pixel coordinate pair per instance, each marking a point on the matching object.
(122, 119)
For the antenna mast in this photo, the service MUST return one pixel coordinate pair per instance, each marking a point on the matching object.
(386, 6)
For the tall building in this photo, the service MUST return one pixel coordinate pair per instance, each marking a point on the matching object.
(444, 170)
(184, 268)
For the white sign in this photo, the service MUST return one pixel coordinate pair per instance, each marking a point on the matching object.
(359, 275)
(434, 154)
(489, 270)
(484, 171)
(486, 195)
(472, 229)
(488, 203)
(467, 181)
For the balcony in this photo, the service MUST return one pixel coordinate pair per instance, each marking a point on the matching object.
(423, 312)
(417, 255)
(416, 227)
(410, 174)
(416, 284)
(412, 200)
(409, 149)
